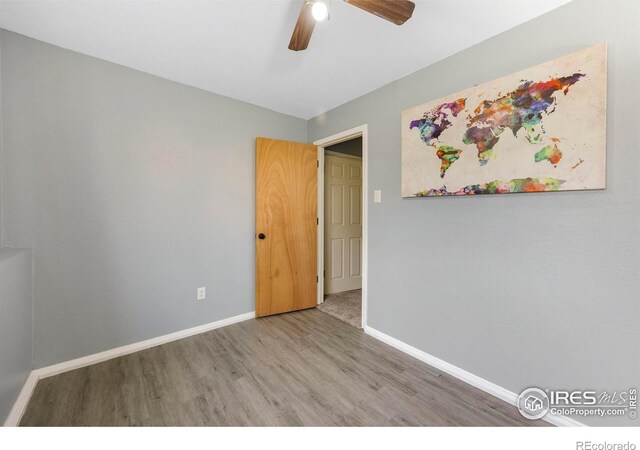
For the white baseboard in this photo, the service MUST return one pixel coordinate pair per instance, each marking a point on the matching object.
(38, 374)
(15, 415)
(66, 366)
(469, 378)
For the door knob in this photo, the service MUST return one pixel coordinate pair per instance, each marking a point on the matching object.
(261, 236)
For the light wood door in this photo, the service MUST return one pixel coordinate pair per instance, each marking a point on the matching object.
(343, 224)
(286, 226)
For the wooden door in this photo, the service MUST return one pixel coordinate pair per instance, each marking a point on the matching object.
(286, 226)
(342, 224)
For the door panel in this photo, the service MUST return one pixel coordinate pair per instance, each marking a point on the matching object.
(337, 259)
(337, 171)
(286, 214)
(343, 224)
(355, 252)
(355, 205)
(337, 206)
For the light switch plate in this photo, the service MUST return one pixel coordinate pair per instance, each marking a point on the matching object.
(377, 196)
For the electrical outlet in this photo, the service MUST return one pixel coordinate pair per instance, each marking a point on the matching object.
(202, 293)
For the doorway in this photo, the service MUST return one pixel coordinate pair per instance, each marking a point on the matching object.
(342, 226)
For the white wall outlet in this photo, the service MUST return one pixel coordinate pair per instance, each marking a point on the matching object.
(202, 293)
(377, 196)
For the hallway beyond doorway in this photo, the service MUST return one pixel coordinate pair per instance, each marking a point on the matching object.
(346, 306)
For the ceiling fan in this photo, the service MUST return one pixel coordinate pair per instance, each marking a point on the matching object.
(395, 11)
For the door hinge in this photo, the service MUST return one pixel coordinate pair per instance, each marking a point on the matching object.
(317, 221)
(318, 162)
(316, 278)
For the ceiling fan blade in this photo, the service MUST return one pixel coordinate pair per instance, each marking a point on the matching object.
(396, 11)
(303, 29)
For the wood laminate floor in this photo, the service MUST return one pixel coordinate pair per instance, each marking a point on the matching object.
(304, 368)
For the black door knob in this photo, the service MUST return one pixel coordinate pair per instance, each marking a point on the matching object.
(261, 236)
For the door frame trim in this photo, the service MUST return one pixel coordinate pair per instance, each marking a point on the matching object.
(361, 131)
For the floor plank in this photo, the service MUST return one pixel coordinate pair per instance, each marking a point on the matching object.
(300, 369)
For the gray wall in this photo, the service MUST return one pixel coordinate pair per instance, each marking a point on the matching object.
(15, 325)
(1, 140)
(352, 147)
(522, 290)
(133, 191)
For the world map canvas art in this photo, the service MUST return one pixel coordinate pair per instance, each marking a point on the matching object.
(540, 129)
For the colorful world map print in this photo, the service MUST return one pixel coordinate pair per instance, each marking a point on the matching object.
(541, 129)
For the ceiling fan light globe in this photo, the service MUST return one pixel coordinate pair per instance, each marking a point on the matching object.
(319, 11)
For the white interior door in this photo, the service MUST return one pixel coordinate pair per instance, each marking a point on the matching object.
(343, 224)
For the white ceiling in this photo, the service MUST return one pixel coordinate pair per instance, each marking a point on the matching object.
(238, 48)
